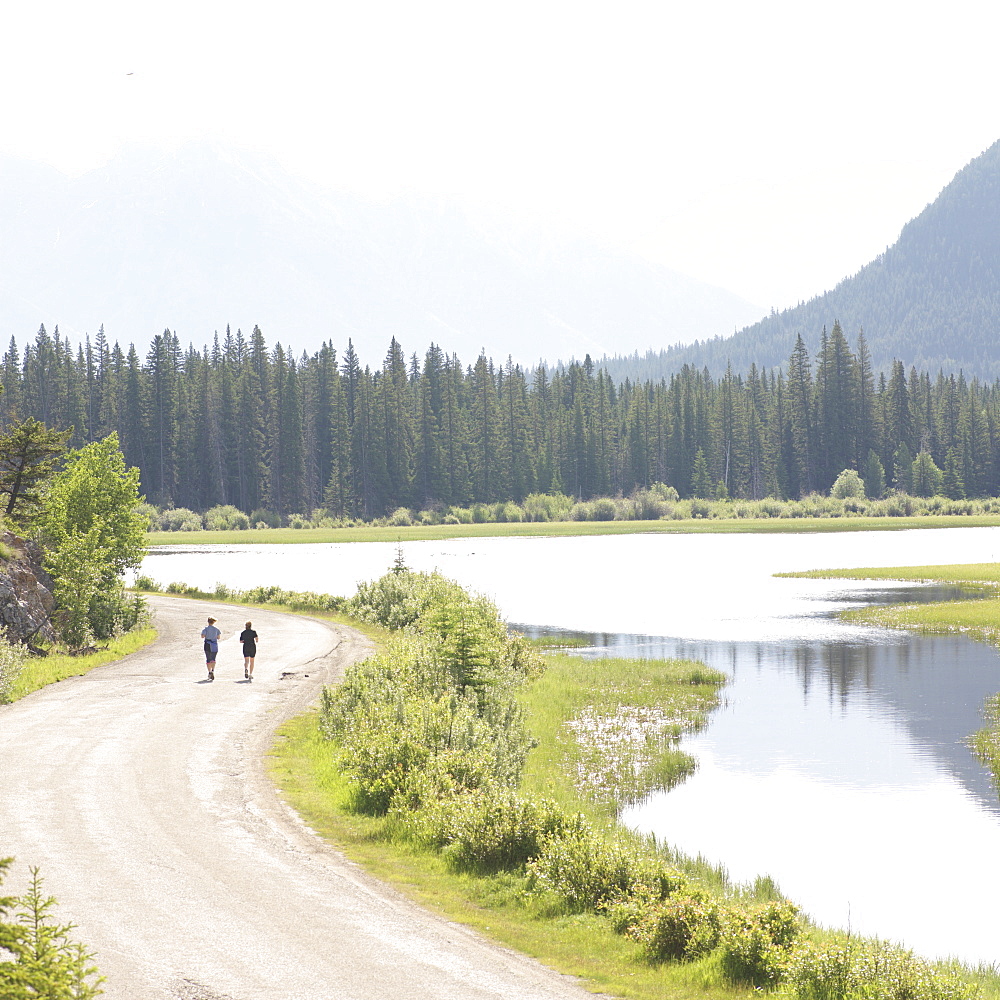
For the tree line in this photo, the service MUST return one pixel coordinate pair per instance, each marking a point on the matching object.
(239, 422)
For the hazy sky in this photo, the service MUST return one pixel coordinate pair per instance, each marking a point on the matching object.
(770, 148)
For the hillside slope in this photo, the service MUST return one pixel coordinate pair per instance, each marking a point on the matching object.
(931, 300)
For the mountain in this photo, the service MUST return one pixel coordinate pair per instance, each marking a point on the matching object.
(205, 237)
(931, 300)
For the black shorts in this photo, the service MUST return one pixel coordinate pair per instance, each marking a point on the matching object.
(249, 649)
(211, 650)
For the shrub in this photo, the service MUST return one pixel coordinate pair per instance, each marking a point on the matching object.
(264, 517)
(151, 515)
(383, 742)
(699, 507)
(496, 831)
(547, 507)
(299, 521)
(400, 518)
(756, 941)
(684, 926)
(590, 873)
(848, 484)
(12, 659)
(509, 513)
(180, 519)
(603, 509)
(647, 505)
(226, 517)
(868, 971)
(146, 583)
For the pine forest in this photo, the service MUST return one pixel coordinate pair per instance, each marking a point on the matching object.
(256, 427)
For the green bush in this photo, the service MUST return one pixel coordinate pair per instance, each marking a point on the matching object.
(12, 659)
(226, 517)
(756, 942)
(686, 925)
(868, 971)
(266, 517)
(497, 831)
(603, 509)
(848, 485)
(151, 515)
(590, 873)
(180, 519)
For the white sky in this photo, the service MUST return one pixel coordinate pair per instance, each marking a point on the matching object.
(767, 147)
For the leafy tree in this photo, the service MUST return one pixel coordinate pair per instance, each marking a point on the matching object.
(28, 456)
(94, 531)
(848, 485)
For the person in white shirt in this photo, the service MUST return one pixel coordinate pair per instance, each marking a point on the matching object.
(211, 636)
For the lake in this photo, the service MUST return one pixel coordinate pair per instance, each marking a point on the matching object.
(838, 762)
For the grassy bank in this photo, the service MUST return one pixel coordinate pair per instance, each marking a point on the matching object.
(38, 672)
(604, 733)
(560, 529)
(579, 944)
(978, 619)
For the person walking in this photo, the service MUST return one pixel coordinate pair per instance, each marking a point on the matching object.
(249, 639)
(211, 636)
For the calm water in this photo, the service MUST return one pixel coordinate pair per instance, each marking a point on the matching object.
(838, 763)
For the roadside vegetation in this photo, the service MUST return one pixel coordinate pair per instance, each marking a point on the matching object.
(486, 780)
(20, 674)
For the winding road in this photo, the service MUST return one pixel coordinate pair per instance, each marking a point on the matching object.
(140, 791)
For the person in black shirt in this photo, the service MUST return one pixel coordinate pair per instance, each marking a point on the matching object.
(249, 639)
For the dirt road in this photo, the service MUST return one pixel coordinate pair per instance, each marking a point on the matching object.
(140, 792)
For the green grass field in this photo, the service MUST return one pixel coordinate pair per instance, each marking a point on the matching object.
(561, 529)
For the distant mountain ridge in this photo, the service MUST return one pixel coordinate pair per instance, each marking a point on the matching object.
(932, 300)
(206, 237)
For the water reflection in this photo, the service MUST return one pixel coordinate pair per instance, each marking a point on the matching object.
(843, 770)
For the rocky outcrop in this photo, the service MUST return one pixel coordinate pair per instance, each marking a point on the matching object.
(25, 593)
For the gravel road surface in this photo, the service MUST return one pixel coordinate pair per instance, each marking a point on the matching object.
(140, 792)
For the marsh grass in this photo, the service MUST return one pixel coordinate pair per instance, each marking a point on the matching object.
(561, 529)
(978, 618)
(37, 672)
(607, 728)
(984, 576)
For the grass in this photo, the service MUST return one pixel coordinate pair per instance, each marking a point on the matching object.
(971, 573)
(978, 619)
(556, 529)
(40, 671)
(607, 729)
(579, 945)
